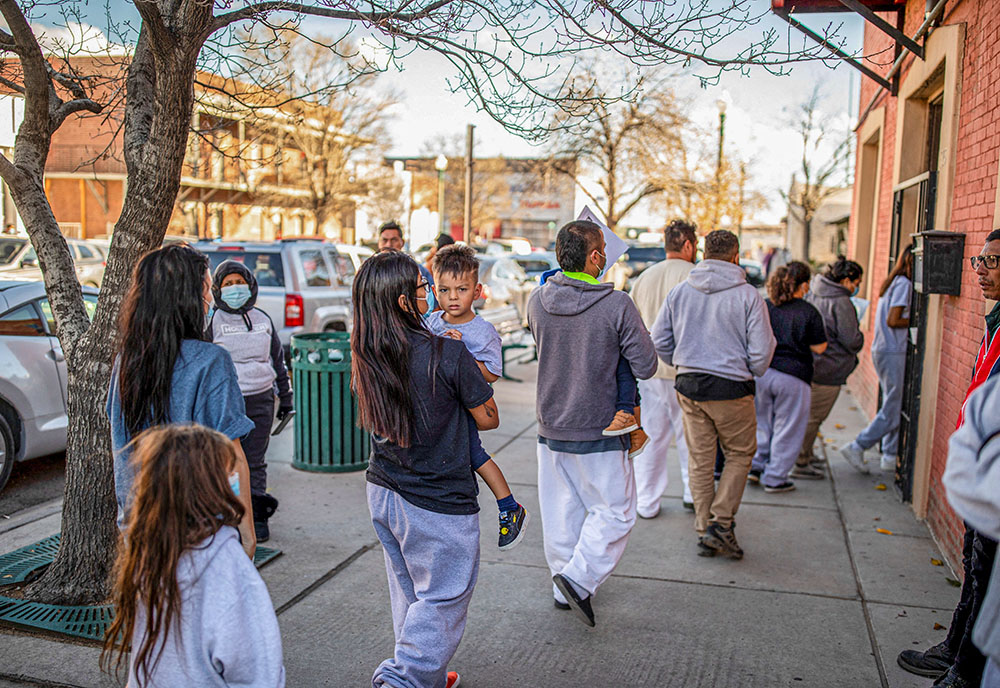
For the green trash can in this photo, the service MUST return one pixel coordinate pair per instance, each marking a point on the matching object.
(327, 438)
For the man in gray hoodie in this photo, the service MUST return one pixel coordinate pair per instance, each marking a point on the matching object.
(714, 328)
(586, 487)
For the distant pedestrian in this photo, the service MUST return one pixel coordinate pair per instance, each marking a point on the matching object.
(782, 397)
(439, 243)
(586, 486)
(767, 260)
(188, 602)
(414, 392)
(390, 238)
(892, 321)
(165, 371)
(661, 412)
(831, 292)
(715, 330)
(251, 339)
(456, 271)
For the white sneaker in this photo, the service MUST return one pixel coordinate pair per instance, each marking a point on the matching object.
(855, 456)
(887, 463)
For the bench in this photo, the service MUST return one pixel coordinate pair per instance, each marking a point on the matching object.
(514, 337)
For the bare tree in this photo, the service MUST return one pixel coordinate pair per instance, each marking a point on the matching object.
(515, 59)
(825, 150)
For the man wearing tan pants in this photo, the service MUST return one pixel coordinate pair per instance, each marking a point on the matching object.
(715, 329)
(823, 399)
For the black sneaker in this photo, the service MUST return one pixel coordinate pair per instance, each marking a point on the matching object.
(688, 505)
(786, 486)
(933, 663)
(261, 530)
(562, 606)
(581, 605)
(722, 540)
(952, 679)
(512, 527)
(753, 477)
(704, 550)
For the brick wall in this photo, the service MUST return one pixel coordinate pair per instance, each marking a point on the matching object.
(977, 155)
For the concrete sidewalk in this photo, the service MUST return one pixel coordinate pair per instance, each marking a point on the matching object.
(820, 599)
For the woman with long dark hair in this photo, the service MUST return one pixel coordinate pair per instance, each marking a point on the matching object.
(166, 373)
(414, 391)
(892, 319)
(830, 292)
(783, 394)
(193, 608)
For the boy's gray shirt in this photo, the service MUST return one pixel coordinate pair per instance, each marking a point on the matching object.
(581, 331)
(715, 323)
(972, 481)
(228, 632)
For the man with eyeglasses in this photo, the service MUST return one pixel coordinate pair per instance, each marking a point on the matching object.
(957, 662)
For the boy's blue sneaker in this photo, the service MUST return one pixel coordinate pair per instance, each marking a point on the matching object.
(512, 527)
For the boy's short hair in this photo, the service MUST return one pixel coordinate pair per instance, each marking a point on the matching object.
(457, 260)
(574, 242)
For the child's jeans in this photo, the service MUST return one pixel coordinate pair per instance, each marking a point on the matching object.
(477, 454)
(628, 389)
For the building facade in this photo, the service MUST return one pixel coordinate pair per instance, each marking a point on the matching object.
(928, 144)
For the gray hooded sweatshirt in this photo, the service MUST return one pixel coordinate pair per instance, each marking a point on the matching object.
(227, 633)
(581, 330)
(840, 319)
(972, 481)
(715, 323)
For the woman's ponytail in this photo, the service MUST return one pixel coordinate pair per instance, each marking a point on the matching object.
(786, 280)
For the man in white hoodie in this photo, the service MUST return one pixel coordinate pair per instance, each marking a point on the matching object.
(715, 330)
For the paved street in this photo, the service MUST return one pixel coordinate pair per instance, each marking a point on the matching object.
(821, 598)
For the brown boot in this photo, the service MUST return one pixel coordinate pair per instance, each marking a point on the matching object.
(638, 440)
(622, 424)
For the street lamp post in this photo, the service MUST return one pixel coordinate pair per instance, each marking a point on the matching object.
(721, 104)
(441, 164)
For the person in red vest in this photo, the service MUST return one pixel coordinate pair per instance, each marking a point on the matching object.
(957, 662)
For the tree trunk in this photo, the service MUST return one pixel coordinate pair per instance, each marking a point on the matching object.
(157, 116)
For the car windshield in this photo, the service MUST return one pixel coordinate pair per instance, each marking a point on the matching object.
(9, 249)
(266, 267)
(534, 267)
(646, 254)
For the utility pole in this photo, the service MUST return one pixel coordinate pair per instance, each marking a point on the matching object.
(467, 219)
(721, 104)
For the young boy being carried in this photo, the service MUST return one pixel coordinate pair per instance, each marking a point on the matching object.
(456, 284)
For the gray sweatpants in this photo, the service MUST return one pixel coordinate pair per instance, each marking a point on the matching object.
(890, 368)
(432, 562)
(782, 403)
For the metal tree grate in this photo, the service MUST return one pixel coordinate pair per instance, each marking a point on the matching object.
(86, 621)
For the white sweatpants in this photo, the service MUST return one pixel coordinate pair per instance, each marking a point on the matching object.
(663, 421)
(587, 503)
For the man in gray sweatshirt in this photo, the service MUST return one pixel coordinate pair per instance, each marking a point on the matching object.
(586, 488)
(715, 330)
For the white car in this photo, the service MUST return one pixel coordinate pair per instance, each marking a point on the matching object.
(358, 254)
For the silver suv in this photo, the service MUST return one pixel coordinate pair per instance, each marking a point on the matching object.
(303, 284)
(18, 260)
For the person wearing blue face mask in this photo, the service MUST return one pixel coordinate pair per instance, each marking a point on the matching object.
(251, 339)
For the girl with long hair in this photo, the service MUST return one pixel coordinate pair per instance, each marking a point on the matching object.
(187, 600)
(165, 372)
(783, 393)
(831, 292)
(892, 319)
(414, 391)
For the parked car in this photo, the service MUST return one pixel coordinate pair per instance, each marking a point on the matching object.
(536, 263)
(303, 284)
(504, 284)
(32, 374)
(638, 257)
(755, 272)
(18, 260)
(357, 254)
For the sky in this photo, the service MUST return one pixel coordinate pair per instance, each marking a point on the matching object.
(758, 118)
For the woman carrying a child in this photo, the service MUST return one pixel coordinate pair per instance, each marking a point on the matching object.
(414, 393)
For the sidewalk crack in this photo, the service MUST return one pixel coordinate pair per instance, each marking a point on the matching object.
(316, 584)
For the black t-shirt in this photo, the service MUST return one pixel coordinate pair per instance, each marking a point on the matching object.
(797, 325)
(435, 472)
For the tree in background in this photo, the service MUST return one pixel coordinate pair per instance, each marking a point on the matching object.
(825, 152)
(516, 59)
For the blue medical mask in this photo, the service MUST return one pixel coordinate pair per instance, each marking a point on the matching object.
(235, 295)
(856, 290)
(431, 302)
(234, 483)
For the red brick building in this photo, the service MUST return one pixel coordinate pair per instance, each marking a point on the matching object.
(927, 159)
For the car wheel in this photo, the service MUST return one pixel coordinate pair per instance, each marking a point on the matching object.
(7, 454)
